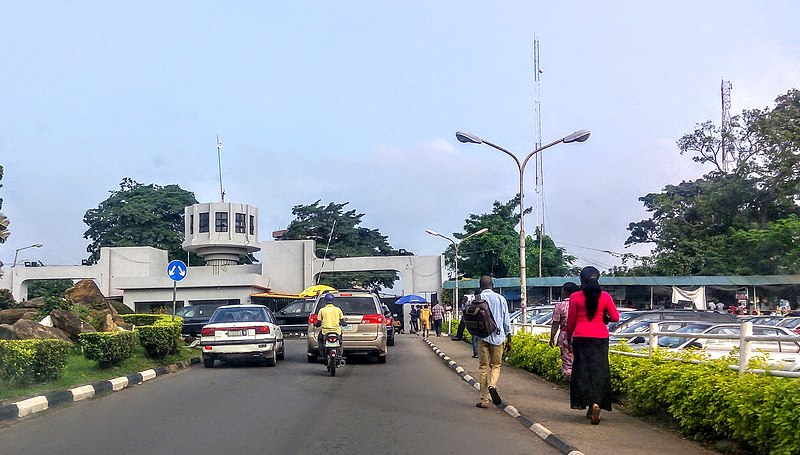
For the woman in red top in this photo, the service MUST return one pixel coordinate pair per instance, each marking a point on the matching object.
(590, 385)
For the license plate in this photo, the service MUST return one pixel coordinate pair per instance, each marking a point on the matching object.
(237, 333)
(331, 344)
(348, 328)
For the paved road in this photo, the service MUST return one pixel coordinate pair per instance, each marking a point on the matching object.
(411, 404)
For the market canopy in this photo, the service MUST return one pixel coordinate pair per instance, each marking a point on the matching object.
(317, 289)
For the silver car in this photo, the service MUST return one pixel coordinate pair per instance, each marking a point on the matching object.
(365, 329)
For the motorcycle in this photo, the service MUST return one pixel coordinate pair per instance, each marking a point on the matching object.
(332, 358)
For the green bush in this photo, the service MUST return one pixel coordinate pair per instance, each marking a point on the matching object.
(143, 319)
(52, 303)
(7, 299)
(161, 338)
(709, 401)
(108, 348)
(25, 361)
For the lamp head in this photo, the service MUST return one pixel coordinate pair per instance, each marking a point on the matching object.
(465, 137)
(431, 232)
(482, 231)
(577, 136)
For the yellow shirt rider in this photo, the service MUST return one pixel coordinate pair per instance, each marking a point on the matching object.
(330, 315)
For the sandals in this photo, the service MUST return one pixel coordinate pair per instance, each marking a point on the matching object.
(595, 416)
(482, 405)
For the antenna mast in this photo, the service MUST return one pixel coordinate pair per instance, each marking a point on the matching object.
(219, 163)
(725, 94)
(537, 71)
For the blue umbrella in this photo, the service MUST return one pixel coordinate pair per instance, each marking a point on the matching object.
(410, 298)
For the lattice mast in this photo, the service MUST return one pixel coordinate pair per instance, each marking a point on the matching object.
(726, 150)
(537, 72)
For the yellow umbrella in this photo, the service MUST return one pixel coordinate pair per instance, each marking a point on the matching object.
(317, 289)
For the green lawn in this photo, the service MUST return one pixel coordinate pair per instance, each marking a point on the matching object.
(80, 371)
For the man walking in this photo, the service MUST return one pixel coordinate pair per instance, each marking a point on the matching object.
(438, 317)
(460, 329)
(490, 348)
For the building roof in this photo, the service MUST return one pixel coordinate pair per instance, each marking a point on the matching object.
(558, 281)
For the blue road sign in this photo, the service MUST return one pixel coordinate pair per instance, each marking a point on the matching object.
(176, 270)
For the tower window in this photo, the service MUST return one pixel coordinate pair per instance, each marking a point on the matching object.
(240, 223)
(221, 222)
(203, 227)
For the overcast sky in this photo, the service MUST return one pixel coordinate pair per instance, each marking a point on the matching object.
(359, 101)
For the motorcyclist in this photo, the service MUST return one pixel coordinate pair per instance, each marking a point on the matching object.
(331, 319)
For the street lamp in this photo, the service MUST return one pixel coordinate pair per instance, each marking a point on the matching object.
(455, 248)
(577, 136)
(35, 245)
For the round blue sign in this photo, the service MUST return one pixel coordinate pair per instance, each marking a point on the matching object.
(176, 270)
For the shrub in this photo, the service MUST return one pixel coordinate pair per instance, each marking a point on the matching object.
(26, 361)
(161, 338)
(143, 319)
(81, 310)
(51, 303)
(108, 348)
(7, 300)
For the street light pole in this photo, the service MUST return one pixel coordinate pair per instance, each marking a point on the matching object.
(578, 136)
(455, 248)
(16, 253)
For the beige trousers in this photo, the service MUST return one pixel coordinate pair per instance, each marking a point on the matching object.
(490, 357)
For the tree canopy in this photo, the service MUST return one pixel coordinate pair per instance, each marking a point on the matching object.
(741, 217)
(497, 251)
(139, 215)
(347, 239)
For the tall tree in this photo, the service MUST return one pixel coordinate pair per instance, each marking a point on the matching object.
(737, 217)
(497, 251)
(48, 288)
(4, 232)
(139, 215)
(347, 239)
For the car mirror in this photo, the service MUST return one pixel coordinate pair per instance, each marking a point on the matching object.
(283, 311)
(695, 345)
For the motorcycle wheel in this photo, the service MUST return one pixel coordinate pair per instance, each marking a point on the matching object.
(332, 361)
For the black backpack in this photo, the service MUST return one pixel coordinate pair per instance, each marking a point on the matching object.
(478, 319)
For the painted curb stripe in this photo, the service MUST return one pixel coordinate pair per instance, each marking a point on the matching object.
(56, 398)
(538, 429)
(82, 393)
(9, 411)
(32, 405)
(134, 379)
(161, 370)
(148, 375)
(118, 383)
(102, 387)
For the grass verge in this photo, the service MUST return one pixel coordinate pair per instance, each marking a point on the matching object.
(81, 371)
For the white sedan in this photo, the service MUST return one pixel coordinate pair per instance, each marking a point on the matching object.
(241, 332)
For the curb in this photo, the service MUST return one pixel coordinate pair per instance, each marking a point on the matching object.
(540, 430)
(52, 399)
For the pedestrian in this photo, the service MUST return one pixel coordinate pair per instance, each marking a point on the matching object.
(720, 307)
(490, 349)
(559, 325)
(414, 315)
(589, 309)
(711, 306)
(474, 338)
(425, 320)
(460, 330)
(438, 317)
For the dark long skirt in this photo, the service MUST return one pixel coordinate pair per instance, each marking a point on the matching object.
(591, 377)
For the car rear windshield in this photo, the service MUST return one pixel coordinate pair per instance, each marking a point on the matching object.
(239, 315)
(353, 305)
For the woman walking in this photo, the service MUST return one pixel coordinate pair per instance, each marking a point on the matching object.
(590, 385)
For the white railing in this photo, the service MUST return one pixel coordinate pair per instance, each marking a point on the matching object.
(745, 337)
(533, 329)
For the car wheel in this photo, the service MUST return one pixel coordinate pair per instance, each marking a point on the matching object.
(382, 358)
(312, 358)
(272, 361)
(282, 353)
(208, 363)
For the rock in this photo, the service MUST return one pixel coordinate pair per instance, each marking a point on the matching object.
(87, 293)
(70, 323)
(13, 315)
(108, 325)
(7, 332)
(35, 304)
(25, 329)
(121, 307)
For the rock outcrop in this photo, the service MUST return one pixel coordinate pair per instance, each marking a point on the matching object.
(13, 315)
(87, 293)
(70, 323)
(25, 329)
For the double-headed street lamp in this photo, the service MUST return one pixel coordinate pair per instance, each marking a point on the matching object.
(455, 248)
(16, 253)
(578, 136)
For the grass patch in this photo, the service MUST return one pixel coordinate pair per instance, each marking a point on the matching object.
(82, 371)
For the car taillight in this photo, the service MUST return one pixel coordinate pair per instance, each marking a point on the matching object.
(312, 319)
(262, 329)
(207, 332)
(372, 319)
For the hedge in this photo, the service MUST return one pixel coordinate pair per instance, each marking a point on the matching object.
(707, 401)
(25, 361)
(159, 334)
(108, 348)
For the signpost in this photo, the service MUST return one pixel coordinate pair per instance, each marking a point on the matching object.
(176, 271)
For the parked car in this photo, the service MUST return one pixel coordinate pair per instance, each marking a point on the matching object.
(784, 355)
(242, 332)
(674, 315)
(195, 317)
(792, 323)
(764, 319)
(643, 329)
(365, 329)
(387, 314)
(294, 317)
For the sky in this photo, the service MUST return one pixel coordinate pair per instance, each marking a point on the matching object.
(359, 102)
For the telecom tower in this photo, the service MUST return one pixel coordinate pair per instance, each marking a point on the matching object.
(726, 148)
(537, 72)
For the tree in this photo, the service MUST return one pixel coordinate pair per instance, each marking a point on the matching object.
(4, 232)
(139, 215)
(497, 251)
(738, 218)
(48, 288)
(347, 239)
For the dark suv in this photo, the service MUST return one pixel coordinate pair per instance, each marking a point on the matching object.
(294, 317)
(195, 317)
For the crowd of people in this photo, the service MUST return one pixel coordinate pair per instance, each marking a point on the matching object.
(424, 316)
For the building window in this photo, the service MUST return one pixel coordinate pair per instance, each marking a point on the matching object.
(191, 224)
(240, 223)
(252, 225)
(203, 222)
(221, 222)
